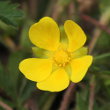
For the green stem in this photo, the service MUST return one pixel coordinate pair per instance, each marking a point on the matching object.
(49, 102)
(102, 56)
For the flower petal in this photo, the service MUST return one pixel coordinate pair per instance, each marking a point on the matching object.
(58, 81)
(36, 69)
(80, 67)
(45, 34)
(75, 35)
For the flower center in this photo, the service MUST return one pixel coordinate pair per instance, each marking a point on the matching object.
(61, 57)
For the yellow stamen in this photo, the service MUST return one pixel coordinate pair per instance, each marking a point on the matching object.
(61, 57)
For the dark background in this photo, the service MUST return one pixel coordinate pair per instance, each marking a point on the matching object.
(18, 93)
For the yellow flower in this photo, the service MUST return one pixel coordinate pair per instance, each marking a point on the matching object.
(64, 63)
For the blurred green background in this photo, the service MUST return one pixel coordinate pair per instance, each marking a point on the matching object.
(18, 93)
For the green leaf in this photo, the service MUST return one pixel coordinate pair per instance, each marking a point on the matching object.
(103, 41)
(9, 13)
(82, 100)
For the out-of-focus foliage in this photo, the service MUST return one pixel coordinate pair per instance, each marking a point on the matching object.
(9, 13)
(16, 91)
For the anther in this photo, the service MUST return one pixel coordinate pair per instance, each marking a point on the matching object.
(60, 65)
(61, 58)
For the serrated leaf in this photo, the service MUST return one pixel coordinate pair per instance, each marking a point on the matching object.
(9, 13)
